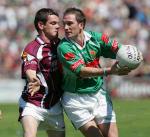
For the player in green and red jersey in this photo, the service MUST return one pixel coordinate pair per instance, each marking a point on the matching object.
(86, 102)
(74, 57)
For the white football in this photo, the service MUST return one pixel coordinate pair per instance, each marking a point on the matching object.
(129, 56)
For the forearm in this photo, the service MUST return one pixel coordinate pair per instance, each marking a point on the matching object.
(94, 72)
(34, 83)
(31, 75)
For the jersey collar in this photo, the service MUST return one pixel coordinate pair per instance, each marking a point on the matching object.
(39, 40)
(87, 37)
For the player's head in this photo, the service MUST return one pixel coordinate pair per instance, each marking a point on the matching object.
(47, 21)
(74, 21)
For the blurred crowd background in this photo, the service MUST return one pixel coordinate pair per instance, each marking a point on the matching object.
(126, 20)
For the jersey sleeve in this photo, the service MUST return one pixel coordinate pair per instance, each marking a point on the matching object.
(108, 46)
(69, 59)
(29, 62)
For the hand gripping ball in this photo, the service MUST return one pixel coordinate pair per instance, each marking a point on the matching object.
(129, 56)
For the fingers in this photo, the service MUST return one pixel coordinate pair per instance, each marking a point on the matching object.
(124, 71)
(32, 93)
(30, 87)
(33, 89)
(121, 70)
(34, 86)
(35, 79)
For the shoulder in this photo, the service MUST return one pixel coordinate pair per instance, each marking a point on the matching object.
(95, 34)
(32, 47)
(64, 43)
(103, 37)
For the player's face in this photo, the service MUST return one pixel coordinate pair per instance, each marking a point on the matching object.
(71, 27)
(52, 26)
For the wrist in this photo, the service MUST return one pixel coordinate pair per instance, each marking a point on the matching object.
(106, 71)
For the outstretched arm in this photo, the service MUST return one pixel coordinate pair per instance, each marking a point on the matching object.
(34, 82)
(113, 70)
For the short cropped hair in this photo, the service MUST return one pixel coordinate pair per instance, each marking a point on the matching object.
(80, 16)
(42, 15)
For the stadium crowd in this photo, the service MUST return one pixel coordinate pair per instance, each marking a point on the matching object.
(127, 20)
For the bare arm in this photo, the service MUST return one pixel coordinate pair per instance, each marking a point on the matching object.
(31, 75)
(93, 72)
(113, 70)
(34, 82)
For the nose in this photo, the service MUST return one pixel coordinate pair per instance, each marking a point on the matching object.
(66, 26)
(57, 26)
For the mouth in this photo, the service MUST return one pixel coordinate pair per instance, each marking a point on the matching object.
(68, 33)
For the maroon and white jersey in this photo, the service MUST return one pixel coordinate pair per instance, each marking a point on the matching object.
(42, 57)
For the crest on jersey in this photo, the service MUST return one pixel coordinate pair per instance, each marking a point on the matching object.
(92, 53)
(27, 57)
(24, 55)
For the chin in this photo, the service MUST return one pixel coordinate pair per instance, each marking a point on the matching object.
(55, 35)
(68, 36)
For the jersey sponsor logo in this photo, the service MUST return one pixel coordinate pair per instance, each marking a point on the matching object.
(105, 38)
(114, 45)
(27, 57)
(76, 64)
(33, 62)
(69, 56)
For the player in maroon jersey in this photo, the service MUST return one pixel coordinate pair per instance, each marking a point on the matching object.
(42, 109)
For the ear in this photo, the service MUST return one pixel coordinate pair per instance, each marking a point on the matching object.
(40, 25)
(81, 25)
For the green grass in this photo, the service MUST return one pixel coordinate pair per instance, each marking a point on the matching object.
(133, 118)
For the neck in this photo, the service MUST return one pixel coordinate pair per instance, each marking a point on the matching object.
(80, 39)
(45, 38)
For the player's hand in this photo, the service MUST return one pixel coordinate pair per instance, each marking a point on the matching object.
(116, 70)
(34, 86)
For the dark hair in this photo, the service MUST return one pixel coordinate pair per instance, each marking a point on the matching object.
(41, 15)
(80, 16)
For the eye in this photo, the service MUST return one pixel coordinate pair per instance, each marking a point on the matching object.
(69, 23)
(54, 23)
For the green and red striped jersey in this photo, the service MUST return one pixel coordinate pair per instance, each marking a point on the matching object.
(73, 57)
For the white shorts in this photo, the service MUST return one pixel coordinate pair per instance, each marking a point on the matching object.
(49, 119)
(82, 108)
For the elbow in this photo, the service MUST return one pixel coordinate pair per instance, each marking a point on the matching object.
(82, 75)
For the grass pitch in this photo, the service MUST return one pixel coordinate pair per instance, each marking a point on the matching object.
(133, 117)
